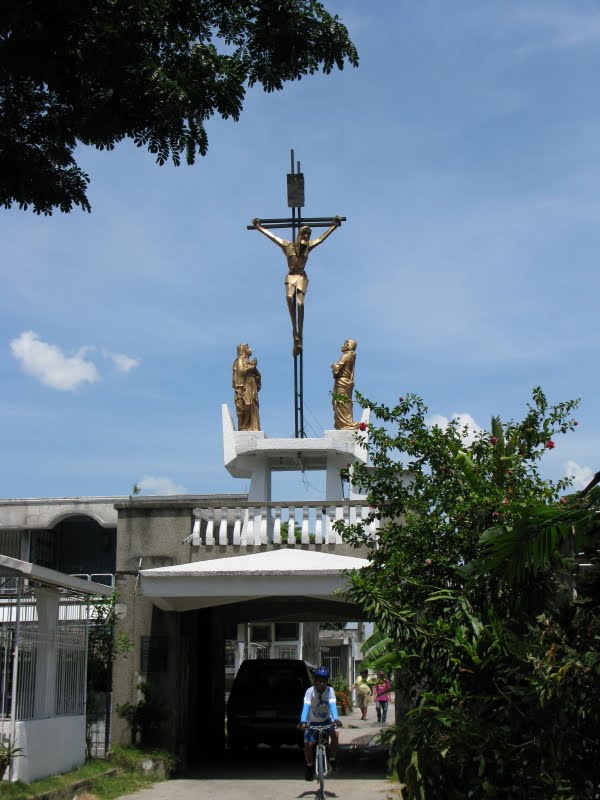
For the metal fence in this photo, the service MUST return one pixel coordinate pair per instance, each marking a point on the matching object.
(331, 657)
(289, 651)
(42, 673)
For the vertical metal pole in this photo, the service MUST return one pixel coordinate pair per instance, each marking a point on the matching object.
(301, 396)
(301, 433)
(296, 420)
(15, 675)
(298, 359)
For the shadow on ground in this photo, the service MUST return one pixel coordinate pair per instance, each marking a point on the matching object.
(354, 762)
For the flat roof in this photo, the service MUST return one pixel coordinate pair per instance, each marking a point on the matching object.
(25, 569)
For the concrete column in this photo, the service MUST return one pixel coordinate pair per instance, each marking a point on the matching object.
(210, 720)
(333, 481)
(260, 482)
(310, 643)
(46, 601)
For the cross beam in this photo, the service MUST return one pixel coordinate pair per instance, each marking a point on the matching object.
(292, 222)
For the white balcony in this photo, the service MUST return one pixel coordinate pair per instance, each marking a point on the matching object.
(288, 524)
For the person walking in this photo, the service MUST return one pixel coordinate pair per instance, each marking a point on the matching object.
(382, 696)
(364, 692)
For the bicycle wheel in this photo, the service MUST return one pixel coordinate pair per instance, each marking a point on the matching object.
(321, 772)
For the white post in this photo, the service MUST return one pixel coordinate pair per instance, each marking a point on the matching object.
(277, 526)
(319, 525)
(223, 527)
(260, 482)
(210, 528)
(15, 676)
(291, 532)
(237, 526)
(304, 538)
(333, 481)
(46, 601)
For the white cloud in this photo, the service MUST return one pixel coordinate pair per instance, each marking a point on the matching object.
(152, 484)
(581, 475)
(463, 418)
(50, 365)
(122, 362)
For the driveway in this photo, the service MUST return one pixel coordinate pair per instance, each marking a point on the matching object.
(278, 774)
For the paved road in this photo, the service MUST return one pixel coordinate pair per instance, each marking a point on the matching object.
(266, 774)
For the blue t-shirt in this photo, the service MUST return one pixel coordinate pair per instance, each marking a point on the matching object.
(319, 707)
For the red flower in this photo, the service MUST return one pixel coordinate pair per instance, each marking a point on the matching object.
(505, 501)
(564, 501)
(493, 440)
(495, 514)
(401, 399)
(549, 444)
(362, 426)
(575, 422)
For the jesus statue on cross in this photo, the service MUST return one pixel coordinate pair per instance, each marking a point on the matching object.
(296, 281)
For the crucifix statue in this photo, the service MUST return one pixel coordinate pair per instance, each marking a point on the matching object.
(296, 281)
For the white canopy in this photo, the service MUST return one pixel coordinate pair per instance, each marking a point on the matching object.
(277, 573)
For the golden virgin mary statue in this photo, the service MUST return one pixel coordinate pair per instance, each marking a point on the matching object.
(246, 386)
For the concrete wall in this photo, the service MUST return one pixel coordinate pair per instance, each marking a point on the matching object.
(52, 745)
(46, 512)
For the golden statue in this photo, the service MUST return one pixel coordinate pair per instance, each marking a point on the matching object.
(296, 281)
(246, 385)
(343, 384)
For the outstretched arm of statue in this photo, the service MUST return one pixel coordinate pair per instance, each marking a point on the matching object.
(268, 234)
(337, 221)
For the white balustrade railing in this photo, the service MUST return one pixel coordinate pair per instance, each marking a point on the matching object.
(286, 524)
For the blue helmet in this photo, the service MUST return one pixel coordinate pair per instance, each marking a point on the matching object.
(322, 672)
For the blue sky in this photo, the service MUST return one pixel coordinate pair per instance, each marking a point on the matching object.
(465, 153)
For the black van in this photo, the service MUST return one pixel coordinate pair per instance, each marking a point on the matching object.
(266, 702)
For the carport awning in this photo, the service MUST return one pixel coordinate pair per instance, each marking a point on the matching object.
(281, 573)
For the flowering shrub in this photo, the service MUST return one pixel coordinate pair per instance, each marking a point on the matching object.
(343, 695)
(496, 645)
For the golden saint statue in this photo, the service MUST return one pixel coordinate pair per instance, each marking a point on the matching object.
(296, 281)
(246, 385)
(343, 384)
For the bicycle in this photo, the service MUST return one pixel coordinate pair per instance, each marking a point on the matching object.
(321, 764)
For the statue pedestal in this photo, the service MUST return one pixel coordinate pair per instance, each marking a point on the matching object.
(251, 454)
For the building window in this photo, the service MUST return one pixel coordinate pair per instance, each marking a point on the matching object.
(10, 543)
(286, 632)
(260, 633)
(154, 651)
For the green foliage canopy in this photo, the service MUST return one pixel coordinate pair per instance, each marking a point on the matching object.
(98, 71)
(485, 588)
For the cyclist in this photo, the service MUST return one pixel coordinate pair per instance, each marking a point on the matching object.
(319, 708)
